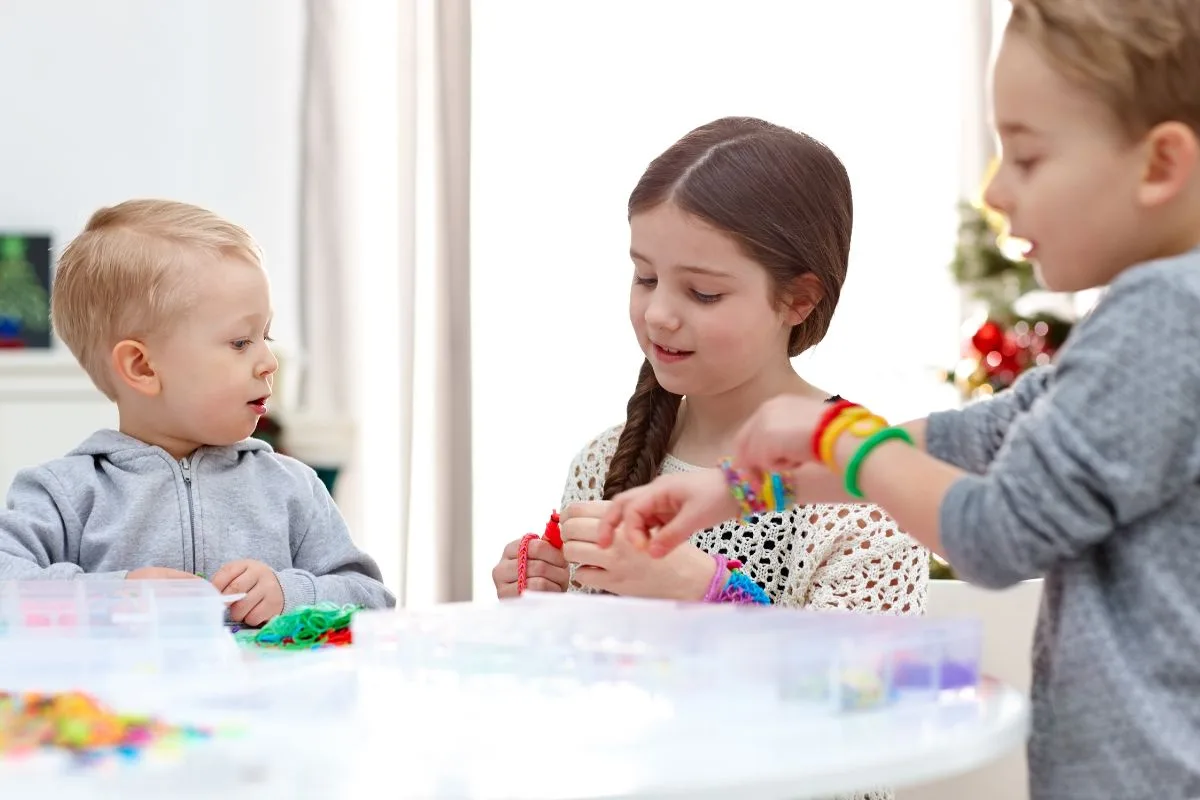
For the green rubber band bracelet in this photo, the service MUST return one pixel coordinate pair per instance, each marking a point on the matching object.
(864, 449)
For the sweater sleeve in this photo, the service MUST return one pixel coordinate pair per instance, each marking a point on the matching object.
(1114, 436)
(326, 564)
(969, 438)
(34, 531)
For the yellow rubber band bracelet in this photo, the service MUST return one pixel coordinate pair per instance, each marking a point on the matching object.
(834, 429)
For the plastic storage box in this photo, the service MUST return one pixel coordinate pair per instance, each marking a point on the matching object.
(821, 661)
(61, 635)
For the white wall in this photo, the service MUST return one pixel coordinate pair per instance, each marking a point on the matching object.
(195, 101)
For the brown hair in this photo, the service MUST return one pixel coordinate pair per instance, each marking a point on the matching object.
(125, 276)
(785, 199)
(1141, 59)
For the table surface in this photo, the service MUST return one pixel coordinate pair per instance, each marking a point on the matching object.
(403, 742)
(797, 759)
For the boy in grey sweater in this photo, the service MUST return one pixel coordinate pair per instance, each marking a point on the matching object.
(1088, 471)
(168, 309)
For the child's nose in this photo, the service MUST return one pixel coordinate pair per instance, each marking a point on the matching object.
(269, 365)
(660, 314)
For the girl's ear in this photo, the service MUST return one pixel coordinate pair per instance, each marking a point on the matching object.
(802, 297)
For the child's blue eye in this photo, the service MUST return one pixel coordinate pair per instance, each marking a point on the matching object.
(706, 298)
(640, 281)
(240, 344)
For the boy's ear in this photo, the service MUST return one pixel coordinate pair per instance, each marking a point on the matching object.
(131, 363)
(1171, 153)
(802, 297)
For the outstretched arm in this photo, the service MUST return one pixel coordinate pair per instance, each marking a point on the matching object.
(1112, 438)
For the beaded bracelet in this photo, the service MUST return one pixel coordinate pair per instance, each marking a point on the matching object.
(772, 493)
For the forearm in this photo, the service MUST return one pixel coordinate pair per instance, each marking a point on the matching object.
(815, 484)
(907, 483)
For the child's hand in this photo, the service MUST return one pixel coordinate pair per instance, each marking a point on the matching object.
(778, 436)
(264, 595)
(662, 514)
(546, 570)
(158, 574)
(621, 568)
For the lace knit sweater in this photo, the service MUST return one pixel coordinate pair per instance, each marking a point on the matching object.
(849, 557)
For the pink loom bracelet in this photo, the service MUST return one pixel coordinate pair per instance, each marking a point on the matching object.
(723, 565)
(523, 561)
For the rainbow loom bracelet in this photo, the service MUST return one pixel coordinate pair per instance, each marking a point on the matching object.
(741, 589)
(774, 495)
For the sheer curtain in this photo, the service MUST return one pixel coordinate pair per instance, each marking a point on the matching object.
(571, 101)
(386, 173)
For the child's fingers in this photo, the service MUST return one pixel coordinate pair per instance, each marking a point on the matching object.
(246, 582)
(226, 574)
(584, 509)
(637, 521)
(541, 550)
(586, 554)
(505, 572)
(611, 520)
(239, 610)
(666, 538)
(560, 576)
(259, 615)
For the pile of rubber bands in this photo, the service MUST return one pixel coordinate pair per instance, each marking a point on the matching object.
(77, 723)
(305, 628)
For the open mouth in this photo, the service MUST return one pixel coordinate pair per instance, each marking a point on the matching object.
(669, 354)
(259, 404)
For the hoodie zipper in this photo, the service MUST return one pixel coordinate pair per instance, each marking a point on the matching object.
(186, 465)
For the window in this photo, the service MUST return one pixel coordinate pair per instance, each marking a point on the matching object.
(571, 101)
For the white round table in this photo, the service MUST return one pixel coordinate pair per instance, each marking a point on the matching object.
(408, 742)
(538, 755)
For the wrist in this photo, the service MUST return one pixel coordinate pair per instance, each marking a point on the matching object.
(699, 573)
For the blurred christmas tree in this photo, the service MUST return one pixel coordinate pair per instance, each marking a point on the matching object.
(24, 301)
(1011, 333)
(1017, 326)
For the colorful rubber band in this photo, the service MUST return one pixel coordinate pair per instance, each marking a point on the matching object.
(772, 494)
(830, 414)
(717, 584)
(523, 562)
(864, 449)
(836, 427)
(741, 589)
(552, 535)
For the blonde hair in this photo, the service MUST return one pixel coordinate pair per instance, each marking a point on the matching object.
(126, 275)
(1141, 59)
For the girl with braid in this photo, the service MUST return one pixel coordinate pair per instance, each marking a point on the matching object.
(740, 237)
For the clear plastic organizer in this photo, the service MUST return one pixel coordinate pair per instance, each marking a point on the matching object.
(822, 660)
(71, 634)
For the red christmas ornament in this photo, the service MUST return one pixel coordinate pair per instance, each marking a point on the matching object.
(989, 338)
